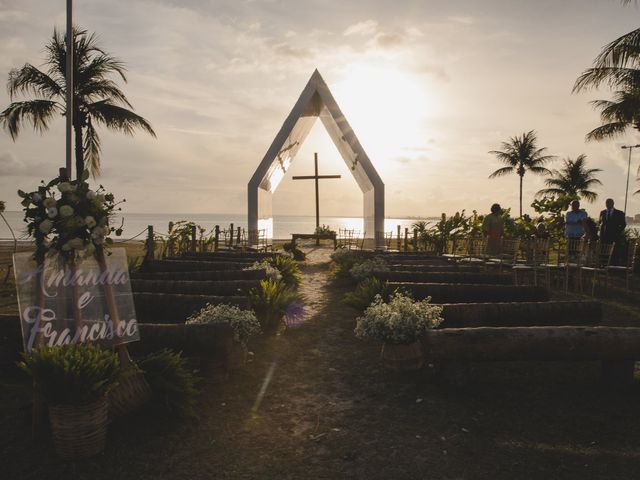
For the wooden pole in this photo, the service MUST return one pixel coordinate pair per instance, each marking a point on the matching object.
(406, 240)
(398, 237)
(151, 246)
(231, 230)
(315, 166)
(415, 239)
(239, 237)
(69, 86)
(193, 239)
(216, 238)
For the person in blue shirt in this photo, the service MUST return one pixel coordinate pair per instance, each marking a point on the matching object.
(574, 221)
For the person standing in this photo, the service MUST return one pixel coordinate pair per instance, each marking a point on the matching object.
(574, 221)
(612, 225)
(493, 229)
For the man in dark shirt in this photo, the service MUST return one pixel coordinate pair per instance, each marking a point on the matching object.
(612, 225)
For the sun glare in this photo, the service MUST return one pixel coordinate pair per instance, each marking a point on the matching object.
(386, 108)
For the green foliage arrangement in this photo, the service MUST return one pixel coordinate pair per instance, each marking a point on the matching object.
(243, 322)
(368, 268)
(173, 385)
(74, 374)
(298, 254)
(270, 301)
(272, 273)
(288, 268)
(179, 237)
(365, 293)
(69, 218)
(324, 230)
(551, 210)
(400, 321)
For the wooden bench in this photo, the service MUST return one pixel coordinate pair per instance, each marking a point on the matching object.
(315, 236)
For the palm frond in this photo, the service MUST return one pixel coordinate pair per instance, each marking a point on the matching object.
(29, 79)
(501, 172)
(38, 112)
(118, 118)
(91, 149)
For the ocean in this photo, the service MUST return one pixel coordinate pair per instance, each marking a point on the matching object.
(135, 224)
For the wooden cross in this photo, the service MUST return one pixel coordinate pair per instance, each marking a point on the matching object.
(316, 177)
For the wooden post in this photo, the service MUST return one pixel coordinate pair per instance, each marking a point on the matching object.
(398, 238)
(406, 240)
(239, 237)
(216, 238)
(415, 239)
(150, 245)
(231, 230)
(193, 239)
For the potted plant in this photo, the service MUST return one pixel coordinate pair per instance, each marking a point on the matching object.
(74, 380)
(399, 324)
(243, 323)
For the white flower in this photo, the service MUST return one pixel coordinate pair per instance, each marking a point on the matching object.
(64, 187)
(45, 226)
(243, 322)
(52, 212)
(91, 195)
(90, 221)
(66, 211)
(49, 202)
(36, 197)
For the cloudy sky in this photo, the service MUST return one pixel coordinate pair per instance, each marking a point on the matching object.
(429, 87)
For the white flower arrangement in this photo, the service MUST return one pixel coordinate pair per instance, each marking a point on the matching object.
(367, 268)
(342, 255)
(401, 321)
(272, 273)
(244, 323)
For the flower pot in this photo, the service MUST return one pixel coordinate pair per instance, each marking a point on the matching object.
(402, 357)
(79, 431)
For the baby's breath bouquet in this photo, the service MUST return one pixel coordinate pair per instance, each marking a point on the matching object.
(243, 322)
(400, 321)
(367, 268)
(271, 272)
(69, 218)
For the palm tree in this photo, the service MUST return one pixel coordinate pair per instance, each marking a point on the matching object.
(521, 154)
(573, 180)
(617, 67)
(97, 98)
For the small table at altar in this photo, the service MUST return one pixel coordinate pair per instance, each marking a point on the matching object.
(316, 236)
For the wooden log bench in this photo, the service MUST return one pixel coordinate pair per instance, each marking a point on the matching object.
(617, 348)
(176, 308)
(189, 266)
(217, 288)
(470, 293)
(453, 267)
(209, 275)
(447, 277)
(521, 314)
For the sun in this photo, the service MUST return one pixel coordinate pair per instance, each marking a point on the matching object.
(386, 108)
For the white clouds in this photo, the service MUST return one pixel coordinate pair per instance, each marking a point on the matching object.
(368, 27)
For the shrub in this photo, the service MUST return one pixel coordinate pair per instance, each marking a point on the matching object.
(298, 254)
(73, 374)
(172, 383)
(344, 260)
(324, 230)
(272, 273)
(400, 321)
(270, 302)
(366, 269)
(243, 322)
(365, 293)
(288, 269)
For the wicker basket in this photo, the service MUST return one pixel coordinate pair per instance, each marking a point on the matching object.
(402, 357)
(79, 431)
(130, 393)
